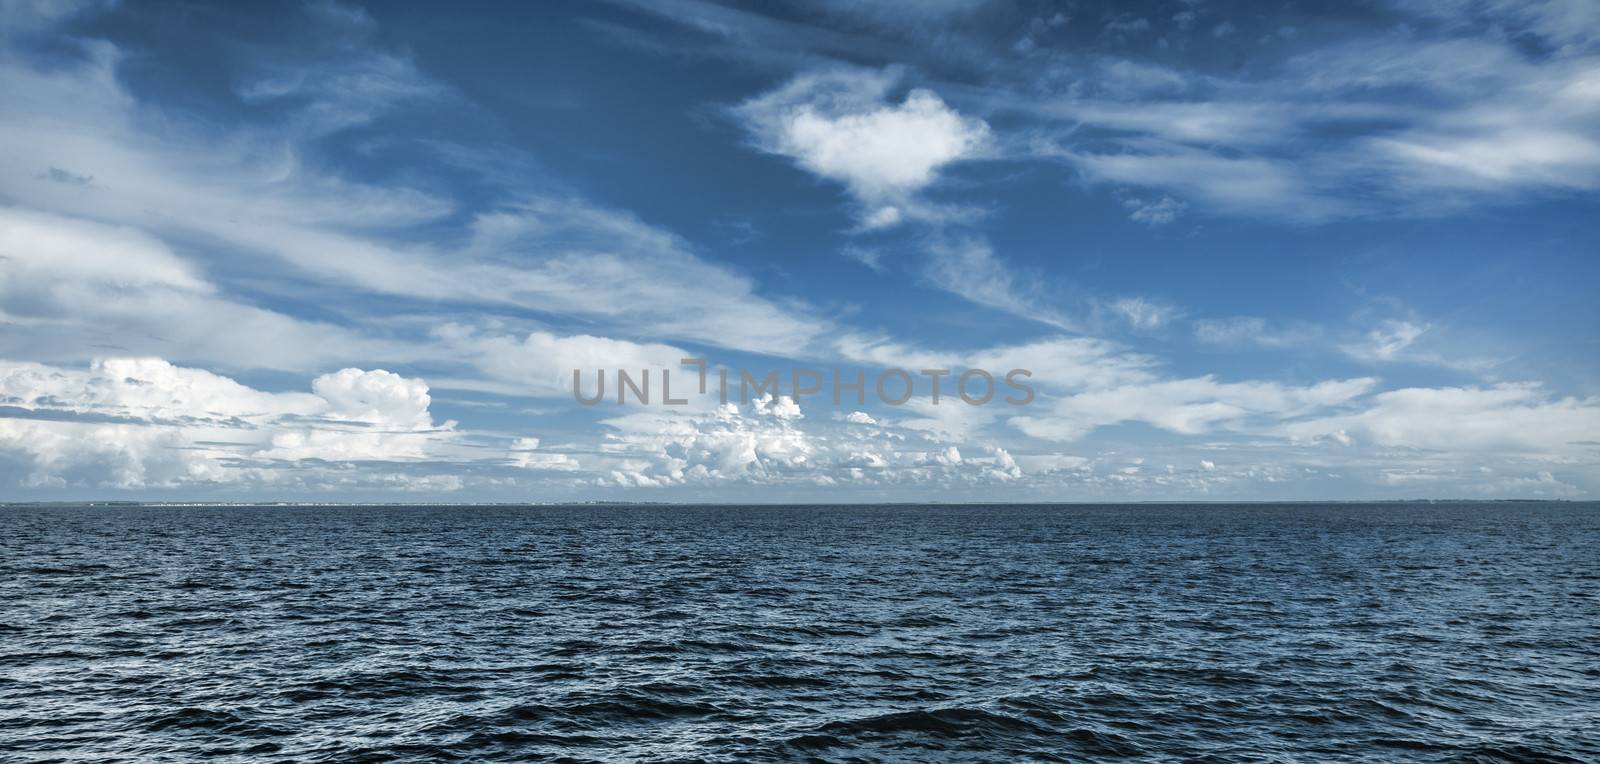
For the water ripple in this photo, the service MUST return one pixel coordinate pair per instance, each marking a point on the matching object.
(1410, 632)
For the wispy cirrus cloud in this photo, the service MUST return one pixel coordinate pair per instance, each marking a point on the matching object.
(1514, 416)
(321, 207)
(969, 268)
(244, 191)
(1188, 406)
(1244, 331)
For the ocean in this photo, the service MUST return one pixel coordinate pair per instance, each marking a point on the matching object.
(1414, 632)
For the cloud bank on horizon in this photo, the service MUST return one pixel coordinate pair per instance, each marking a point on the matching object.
(331, 251)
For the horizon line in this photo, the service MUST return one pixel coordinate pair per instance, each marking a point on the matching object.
(600, 502)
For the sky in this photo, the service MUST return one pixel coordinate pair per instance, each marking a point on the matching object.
(341, 252)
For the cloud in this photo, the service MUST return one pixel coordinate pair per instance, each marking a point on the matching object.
(887, 11)
(240, 232)
(244, 192)
(844, 126)
(525, 455)
(1187, 406)
(1404, 123)
(1562, 22)
(140, 423)
(1423, 109)
(968, 267)
(379, 397)
(769, 442)
(566, 257)
(75, 285)
(1126, 26)
(1044, 464)
(1058, 363)
(1158, 212)
(540, 363)
(1126, 78)
(1141, 313)
(340, 79)
(1388, 341)
(1252, 330)
(1516, 417)
(1234, 184)
(872, 258)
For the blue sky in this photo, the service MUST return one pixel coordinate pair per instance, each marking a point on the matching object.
(333, 251)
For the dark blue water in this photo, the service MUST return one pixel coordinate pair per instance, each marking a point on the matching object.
(1406, 632)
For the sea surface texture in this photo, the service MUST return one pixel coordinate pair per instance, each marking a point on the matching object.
(1403, 632)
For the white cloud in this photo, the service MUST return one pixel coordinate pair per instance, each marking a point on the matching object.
(525, 454)
(843, 125)
(1057, 363)
(896, 13)
(1175, 123)
(1564, 22)
(541, 363)
(952, 419)
(1124, 78)
(1506, 417)
(1417, 121)
(1125, 26)
(145, 231)
(1187, 406)
(1252, 330)
(137, 423)
(379, 397)
(1236, 184)
(69, 286)
(245, 193)
(1154, 213)
(1142, 313)
(767, 443)
(969, 268)
(1044, 464)
(1388, 341)
(872, 258)
(37, 246)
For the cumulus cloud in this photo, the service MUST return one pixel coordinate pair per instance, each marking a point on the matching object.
(768, 442)
(844, 125)
(137, 423)
(152, 231)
